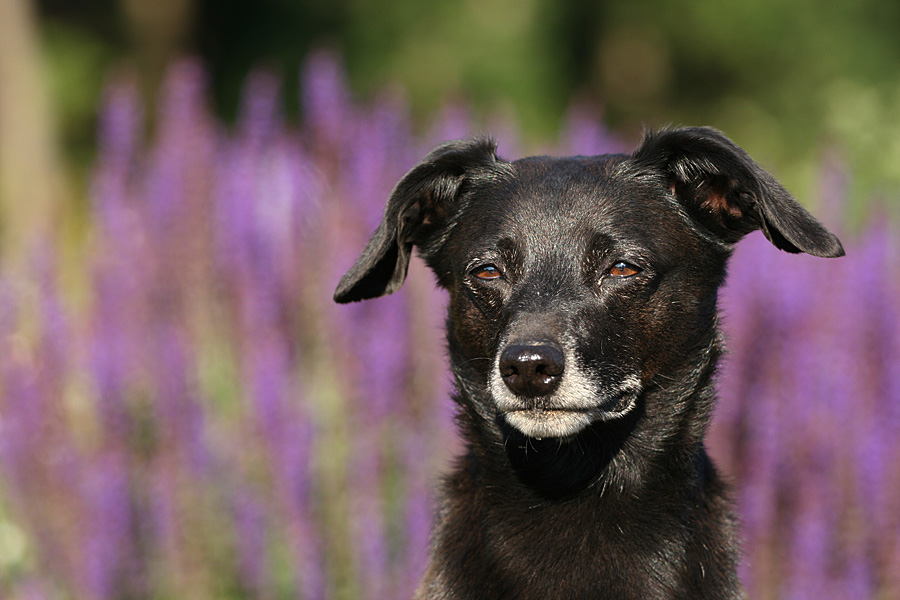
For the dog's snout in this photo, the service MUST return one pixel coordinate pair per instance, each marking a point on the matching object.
(531, 369)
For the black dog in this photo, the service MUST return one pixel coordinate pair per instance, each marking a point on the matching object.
(582, 335)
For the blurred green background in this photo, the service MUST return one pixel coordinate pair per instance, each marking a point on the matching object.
(793, 82)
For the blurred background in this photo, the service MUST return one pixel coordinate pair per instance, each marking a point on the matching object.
(185, 414)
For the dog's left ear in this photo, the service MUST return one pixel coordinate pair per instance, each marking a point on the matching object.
(731, 195)
(421, 205)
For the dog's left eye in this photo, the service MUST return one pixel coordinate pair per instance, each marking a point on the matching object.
(623, 269)
(487, 272)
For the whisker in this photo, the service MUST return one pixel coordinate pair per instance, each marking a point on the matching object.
(464, 363)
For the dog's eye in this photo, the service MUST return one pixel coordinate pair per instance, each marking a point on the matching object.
(486, 272)
(623, 269)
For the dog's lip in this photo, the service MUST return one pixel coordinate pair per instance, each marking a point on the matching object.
(548, 410)
(556, 412)
(611, 408)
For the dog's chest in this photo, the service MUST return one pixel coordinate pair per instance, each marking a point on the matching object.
(562, 550)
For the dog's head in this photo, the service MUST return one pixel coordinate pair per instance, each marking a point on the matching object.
(576, 283)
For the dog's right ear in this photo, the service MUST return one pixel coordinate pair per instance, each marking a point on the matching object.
(422, 203)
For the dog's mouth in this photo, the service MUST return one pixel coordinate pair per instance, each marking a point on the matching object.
(561, 422)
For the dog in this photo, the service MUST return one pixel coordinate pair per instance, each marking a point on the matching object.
(582, 335)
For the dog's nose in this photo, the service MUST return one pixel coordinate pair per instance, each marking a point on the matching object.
(531, 369)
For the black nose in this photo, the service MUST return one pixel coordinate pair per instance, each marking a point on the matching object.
(531, 369)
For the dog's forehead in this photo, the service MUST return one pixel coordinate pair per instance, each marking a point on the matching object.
(574, 196)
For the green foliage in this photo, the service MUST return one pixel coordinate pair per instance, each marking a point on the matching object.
(787, 80)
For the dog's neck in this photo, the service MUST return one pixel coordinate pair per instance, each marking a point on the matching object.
(557, 469)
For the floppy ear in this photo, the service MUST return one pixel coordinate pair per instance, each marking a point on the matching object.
(421, 204)
(726, 191)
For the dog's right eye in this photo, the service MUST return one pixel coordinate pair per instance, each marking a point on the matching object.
(623, 269)
(487, 272)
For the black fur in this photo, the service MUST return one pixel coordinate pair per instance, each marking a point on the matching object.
(582, 335)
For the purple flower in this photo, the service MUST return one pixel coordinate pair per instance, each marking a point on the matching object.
(108, 547)
(326, 101)
(418, 519)
(251, 544)
(120, 123)
(584, 133)
(810, 546)
(452, 123)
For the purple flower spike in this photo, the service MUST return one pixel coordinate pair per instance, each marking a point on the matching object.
(269, 377)
(107, 541)
(369, 528)
(809, 549)
(251, 542)
(453, 123)
(326, 103)
(21, 428)
(418, 511)
(259, 120)
(111, 356)
(584, 133)
(55, 344)
(179, 410)
(182, 103)
(121, 118)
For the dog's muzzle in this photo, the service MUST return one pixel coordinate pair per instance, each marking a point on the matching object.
(540, 389)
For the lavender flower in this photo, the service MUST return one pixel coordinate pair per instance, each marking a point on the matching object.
(326, 103)
(583, 133)
(108, 545)
(251, 541)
